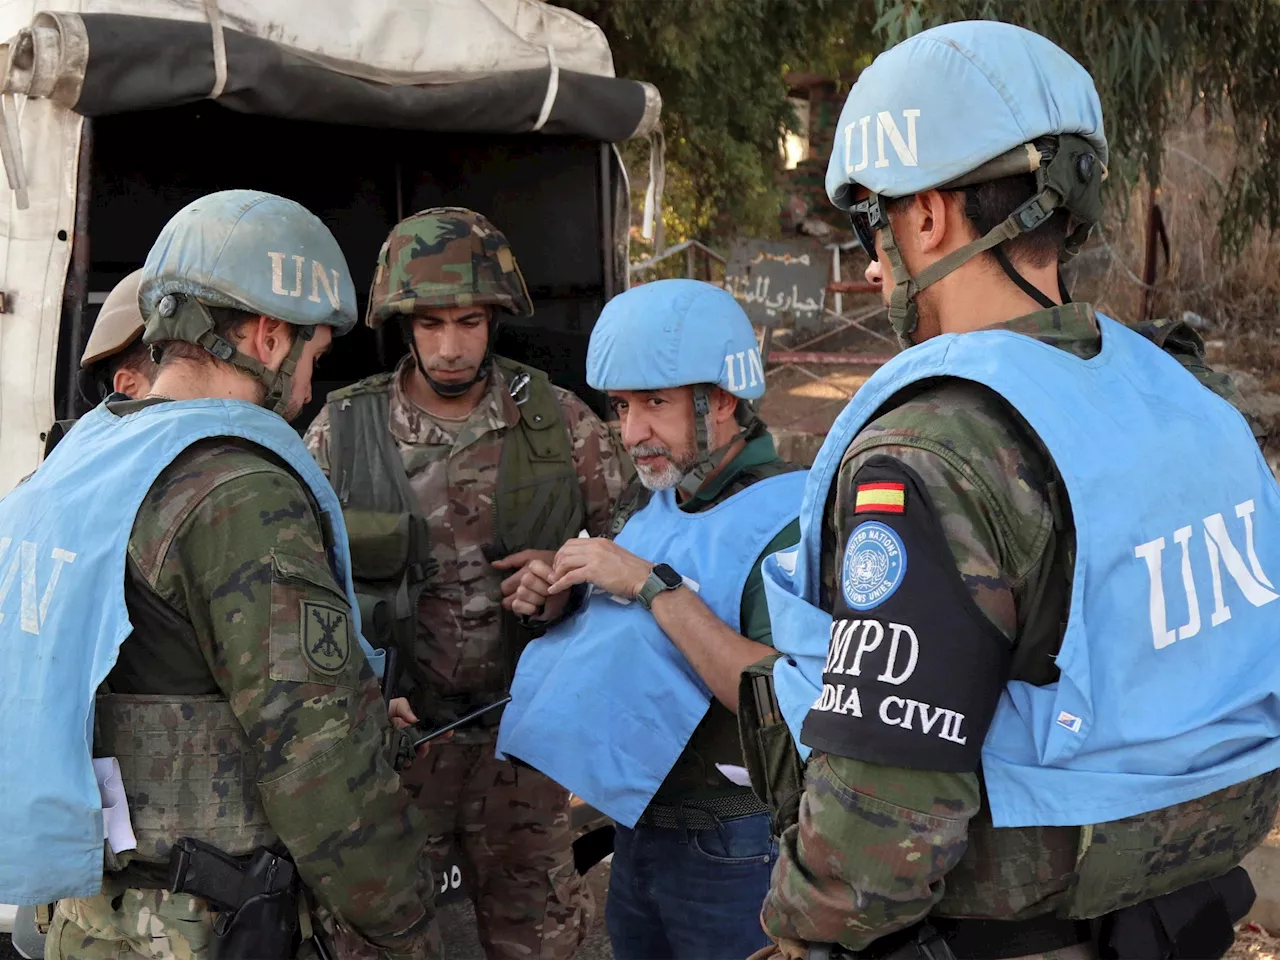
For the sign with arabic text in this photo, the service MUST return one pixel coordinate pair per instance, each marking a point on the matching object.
(779, 283)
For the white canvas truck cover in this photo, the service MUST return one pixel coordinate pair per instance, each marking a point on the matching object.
(475, 66)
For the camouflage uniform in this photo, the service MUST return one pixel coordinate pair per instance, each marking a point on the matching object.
(512, 823)
(225, 552)
(877, 848)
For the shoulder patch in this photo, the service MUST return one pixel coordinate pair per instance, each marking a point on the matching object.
(881, 498)
(325, 636)
(875, 563)
(914, 670)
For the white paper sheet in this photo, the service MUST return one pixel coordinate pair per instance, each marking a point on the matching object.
(115, 808)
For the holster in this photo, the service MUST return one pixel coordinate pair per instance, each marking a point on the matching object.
(256, 898)
(1194, 922)
(768, 750)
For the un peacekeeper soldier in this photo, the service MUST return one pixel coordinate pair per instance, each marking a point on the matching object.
(195, 577)
(1030, 623)
(454, 471)
(631, 704)
(115, 360)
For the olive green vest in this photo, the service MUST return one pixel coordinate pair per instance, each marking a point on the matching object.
(188, 771)
(537, 505)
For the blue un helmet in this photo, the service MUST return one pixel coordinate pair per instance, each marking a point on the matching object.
(962, 104)
(678, 333)
(249, 251)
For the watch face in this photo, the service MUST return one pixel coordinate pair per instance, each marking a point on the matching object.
(668, 576)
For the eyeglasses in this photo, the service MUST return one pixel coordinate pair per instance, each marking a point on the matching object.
(867, 217)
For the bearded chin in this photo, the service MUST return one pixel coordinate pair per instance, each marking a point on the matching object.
(656, 480)
(670, 474)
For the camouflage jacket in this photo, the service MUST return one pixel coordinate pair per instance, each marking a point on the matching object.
(455, 476)
(226, 555)
(876, 848)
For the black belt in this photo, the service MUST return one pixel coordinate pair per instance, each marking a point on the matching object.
(1000, 939)
(968, 939)
(701, 814)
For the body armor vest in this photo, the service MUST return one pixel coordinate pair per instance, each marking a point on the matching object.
(537, 505)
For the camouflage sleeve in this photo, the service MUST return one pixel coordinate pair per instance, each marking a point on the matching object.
(247, 567)
(598, 463)
(1186, 346)
(317, 439)
(874, 844)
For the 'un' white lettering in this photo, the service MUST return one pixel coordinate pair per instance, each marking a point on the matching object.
(756, 369)
(60, 557)
(6, 584)
(320, 278)
(31, 613)
(1150, 552)
(1182, 537)
(1223, 551)
(1245, 512)
(1247, 574)
(905, 149)
(731, 368)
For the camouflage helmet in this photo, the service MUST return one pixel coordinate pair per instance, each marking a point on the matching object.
(119, 323)
(445, 257)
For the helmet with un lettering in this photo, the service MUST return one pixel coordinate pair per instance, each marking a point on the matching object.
(675, 333)
(250, 251)
(679, 333)
(958, 105)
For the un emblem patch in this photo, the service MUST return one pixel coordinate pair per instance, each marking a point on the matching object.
(875, 562)
(325, 637)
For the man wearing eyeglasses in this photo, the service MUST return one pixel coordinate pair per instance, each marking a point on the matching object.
(1027, 634)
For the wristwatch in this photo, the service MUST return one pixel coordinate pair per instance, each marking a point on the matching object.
(661, 578)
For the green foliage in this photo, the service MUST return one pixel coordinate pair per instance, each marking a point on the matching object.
(1153, 64)
(720, 65)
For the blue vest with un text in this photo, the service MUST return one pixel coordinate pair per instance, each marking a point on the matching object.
(63, 541)
(1170, 678)
(605, 703)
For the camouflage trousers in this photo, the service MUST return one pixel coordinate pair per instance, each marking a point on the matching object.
(512, 826)
(130, 925)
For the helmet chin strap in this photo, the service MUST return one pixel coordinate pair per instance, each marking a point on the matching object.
(188, 319)
(450, 391)
(708, 460)
(904, 315)
(1071, 180)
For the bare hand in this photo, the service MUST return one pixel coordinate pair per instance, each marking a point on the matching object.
(401, 716)
(526, 591)
(602, 563)
(532, 597)
(517, 562)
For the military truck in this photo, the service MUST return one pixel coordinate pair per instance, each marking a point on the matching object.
(116, 113)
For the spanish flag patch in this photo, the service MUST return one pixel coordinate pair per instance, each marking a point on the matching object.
(881, 498)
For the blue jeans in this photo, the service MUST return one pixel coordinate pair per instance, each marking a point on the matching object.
(690, 894)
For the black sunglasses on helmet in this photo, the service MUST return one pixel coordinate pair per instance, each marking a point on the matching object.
(867, 217)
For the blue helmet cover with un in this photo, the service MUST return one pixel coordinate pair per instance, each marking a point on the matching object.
(944, 102)
(675, 333)
(256, 252)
